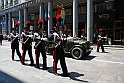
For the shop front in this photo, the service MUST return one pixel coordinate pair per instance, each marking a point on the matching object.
(111, 27)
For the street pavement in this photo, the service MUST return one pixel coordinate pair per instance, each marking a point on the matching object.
(96, 68)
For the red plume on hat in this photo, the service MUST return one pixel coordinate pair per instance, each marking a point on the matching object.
(83, 30)
(69, 30)
(100, 29)
(40, 21)
(28, 23)
(16, 24)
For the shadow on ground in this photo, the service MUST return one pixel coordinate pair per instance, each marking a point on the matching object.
(68, 55)
(90, 57)
(50, 70)
(104, 52)
(75, 75)
(5, 78)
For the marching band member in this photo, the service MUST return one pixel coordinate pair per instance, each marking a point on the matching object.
(27, 44)
(99, 42)
(59, 51)
(15, 41)
(40, 46)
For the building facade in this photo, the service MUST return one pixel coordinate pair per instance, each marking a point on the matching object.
(86, 15)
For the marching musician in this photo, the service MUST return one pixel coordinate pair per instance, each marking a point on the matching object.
(99, 42)
(59, 51)
(27, 44)
(15, 41)
(40, 46)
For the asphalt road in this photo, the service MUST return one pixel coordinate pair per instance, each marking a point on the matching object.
(96, 68)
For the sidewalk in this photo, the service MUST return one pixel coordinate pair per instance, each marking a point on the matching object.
(96, 68)
(117, 47)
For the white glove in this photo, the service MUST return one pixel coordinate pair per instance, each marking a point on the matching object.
(44, 39)
(30, 35)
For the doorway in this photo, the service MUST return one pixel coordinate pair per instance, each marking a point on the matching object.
(117, 31)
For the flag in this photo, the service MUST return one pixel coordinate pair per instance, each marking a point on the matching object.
(3, 23)
(16, 20)
(47, 15)
(64, 12)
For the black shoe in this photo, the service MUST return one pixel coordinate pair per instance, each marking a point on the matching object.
(37, 67)
(31, 64)
(56, 74)
(24, 64)
(66, 75)
(45, 68)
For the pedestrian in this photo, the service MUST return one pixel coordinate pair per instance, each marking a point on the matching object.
(65, 34)
(51, 36)
(15, 41)
(40, 46)
(75, 35)
(95, 38)
(27, 44)
(69, 32)
(45, 34)
(59, 51)
(1, 38)
(99, 42)
(83, 36)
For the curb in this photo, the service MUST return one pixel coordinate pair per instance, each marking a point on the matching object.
(115, 46)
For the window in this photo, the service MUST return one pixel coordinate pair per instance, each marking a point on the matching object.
(82, 10)
(79, 10)
(111, 24)
(109, 6)
(104, 6)
(54, 13)
(69, 11)
(118, 24)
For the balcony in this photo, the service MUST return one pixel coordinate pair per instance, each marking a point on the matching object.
(6, 6)
(15, 2)
(2, 7)
(11, 4)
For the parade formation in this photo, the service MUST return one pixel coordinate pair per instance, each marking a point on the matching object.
(59, 42)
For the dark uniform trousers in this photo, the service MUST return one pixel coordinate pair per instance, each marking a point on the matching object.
(27, 47)
(41, 49)
(15, 46)
(59, 55)
(100, 44)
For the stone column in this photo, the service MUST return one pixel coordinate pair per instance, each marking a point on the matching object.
(6, 21)
(50, 12)
(8, 2)
(20, 21)
(90, 20)
(4, 4)
(0, 24)
(10, 21)
(25, 16)
(75, 17)
(13, 3)
(42, 13)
